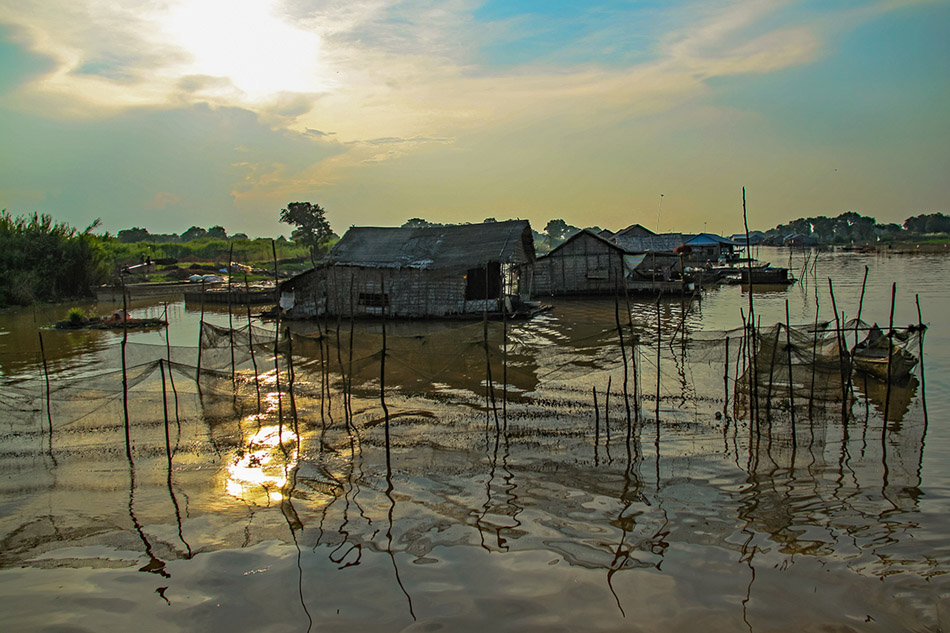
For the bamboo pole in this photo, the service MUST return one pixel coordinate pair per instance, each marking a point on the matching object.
(920, 345)
(596, 423)
(890, 353)
(168, 443)
(382, 375)
(791, 381)
(753, 351)
(201, 325)
(607, 417)
(725, 385)
(290, 385)
(230, 312)
(49, 414)
(842, 352)
(280, 399)
(250, 343)
(125, 378)
(623, 355)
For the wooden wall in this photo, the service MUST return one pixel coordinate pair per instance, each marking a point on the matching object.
(585, 265)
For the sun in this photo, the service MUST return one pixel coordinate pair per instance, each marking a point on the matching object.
(247, 43)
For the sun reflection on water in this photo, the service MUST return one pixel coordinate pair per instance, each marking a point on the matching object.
(259, 474)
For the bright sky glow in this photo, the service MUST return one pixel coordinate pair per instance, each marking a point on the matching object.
(246, 43)
(183, 112)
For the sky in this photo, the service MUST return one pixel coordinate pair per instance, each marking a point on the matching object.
(166, 114)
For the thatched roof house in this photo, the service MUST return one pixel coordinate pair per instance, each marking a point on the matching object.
(418, 272)
(639, 239)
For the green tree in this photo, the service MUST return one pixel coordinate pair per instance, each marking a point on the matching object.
(193, 233)
(417, 223)
(135, 234)
(313, 229)
(558, 231)
(217, 232)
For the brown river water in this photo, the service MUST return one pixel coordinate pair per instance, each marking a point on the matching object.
(509, 478)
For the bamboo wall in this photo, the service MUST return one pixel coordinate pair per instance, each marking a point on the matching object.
(586, 265)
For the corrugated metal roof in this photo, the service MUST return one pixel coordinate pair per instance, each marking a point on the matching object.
(450, 247)
(709, 239)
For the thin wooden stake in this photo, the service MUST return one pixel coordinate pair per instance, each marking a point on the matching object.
(725, 385)
(596, 423)
(125, 379)
(382, 375)
(890, 353)
(791, 382)
(49, 414)
(290, 385)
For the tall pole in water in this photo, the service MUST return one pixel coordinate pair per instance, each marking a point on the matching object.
(658, 207)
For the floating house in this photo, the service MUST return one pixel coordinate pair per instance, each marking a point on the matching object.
(463, 270)
(638, 239)
(710, 247)
(588, 264)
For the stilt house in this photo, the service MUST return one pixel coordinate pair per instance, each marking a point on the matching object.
(588, 264)
(424, 272)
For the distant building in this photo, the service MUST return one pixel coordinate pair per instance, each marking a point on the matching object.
(588, 264)
(755, 238)
(418, 272)
(639, 239)
(710, 247)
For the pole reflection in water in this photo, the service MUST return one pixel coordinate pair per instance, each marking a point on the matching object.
(419, 521)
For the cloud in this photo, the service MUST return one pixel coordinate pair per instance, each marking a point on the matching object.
(162, 200)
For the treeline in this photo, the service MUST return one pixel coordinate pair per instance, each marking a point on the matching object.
(138, 234)
(43, 260)
(853, 227)
(245, 251)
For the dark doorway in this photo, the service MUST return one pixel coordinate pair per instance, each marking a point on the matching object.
(484, 282)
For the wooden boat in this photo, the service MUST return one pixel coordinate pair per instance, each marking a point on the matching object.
(882, 358)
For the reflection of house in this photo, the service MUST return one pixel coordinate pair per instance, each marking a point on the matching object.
(431, 271)
(589, 264)
(711, 247)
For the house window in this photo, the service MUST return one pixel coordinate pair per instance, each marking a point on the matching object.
(374, 300)
(483, 282)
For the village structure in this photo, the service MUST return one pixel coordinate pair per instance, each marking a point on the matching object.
(491, 269)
